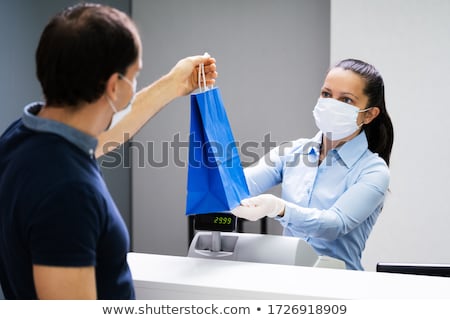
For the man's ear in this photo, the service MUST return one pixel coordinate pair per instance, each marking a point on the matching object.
(371, 114)
(111, 86)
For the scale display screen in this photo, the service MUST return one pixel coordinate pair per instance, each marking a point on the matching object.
(225, 222)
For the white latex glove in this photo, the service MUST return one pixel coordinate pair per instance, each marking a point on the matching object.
(260, 206)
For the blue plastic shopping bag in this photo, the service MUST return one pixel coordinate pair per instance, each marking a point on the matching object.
(216, 181)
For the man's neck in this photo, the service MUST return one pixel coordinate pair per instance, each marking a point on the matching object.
(87, 118)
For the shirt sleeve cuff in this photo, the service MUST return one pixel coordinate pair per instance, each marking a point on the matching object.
(286, 218)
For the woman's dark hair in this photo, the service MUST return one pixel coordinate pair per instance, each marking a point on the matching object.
(80, 48)
(379, 132)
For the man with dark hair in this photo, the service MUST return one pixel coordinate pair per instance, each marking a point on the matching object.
(61, 235)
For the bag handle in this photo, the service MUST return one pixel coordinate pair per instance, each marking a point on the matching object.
(201, 74)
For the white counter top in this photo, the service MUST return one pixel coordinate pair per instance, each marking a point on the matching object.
(171, 277)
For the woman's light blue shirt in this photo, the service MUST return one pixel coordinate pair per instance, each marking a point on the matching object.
(332, 206)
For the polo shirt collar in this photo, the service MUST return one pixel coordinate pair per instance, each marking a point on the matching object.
(83, 141)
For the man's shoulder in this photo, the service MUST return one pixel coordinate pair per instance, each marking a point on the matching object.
(37, 161)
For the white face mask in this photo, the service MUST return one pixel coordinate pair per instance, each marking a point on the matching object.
(119, 115)
(336, 118)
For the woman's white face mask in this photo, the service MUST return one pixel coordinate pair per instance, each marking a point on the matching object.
(119, 115)
(336, 119)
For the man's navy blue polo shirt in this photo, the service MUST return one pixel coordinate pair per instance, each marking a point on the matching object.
(56, 210)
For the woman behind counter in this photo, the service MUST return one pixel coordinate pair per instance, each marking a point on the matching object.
(333, 185)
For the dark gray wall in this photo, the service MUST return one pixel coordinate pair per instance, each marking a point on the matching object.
(272, 57)
(21, 24)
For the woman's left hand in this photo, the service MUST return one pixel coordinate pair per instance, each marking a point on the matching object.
(260, 206)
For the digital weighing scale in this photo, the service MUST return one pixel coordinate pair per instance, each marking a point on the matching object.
(215, 239)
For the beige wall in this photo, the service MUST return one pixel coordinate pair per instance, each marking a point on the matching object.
(408, 41)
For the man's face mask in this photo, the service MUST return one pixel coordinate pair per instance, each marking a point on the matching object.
(336, 118)
(119, 115)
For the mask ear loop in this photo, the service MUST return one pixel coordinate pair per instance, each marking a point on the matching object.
(361, 111)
